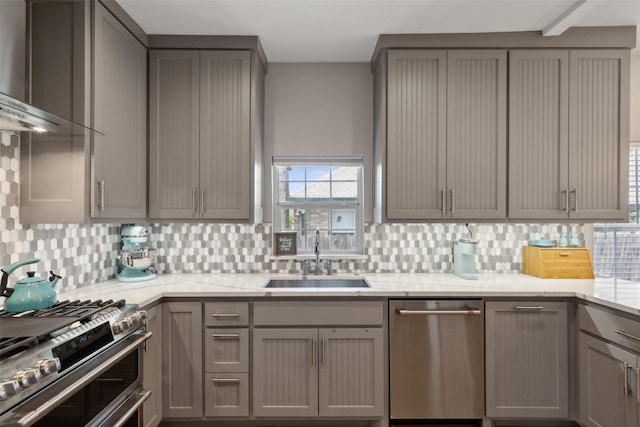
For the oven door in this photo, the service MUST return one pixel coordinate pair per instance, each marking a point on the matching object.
(104, 391)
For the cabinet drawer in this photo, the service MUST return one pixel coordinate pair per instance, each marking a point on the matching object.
(226, 350)
(341, 313)
(226, 395)
(234, 313)
(612, 327)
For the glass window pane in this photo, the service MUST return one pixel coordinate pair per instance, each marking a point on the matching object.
(344, 191)
(294, 173)
(344, 173)
(291, 191)
(318, 191)
(318, 173)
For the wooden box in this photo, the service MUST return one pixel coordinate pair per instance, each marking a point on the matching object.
(557, 263)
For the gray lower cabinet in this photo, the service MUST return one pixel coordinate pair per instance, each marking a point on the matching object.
(119, 170)
(203, 145)
(608, 367)
(608, 384)
(182, 386)
(444, 153)
(152, 365)
(318, 372)
(527, 359)
(226, 359)
(568, 134)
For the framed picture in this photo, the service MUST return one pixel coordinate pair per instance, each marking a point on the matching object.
(285, 243)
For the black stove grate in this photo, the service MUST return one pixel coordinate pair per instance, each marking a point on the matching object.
(22, 331)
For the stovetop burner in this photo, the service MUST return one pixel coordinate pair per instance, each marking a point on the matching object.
(21, 331)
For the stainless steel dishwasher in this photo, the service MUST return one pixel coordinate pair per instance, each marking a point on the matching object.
(436, 359)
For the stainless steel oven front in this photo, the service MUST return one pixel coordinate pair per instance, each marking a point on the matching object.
(103, 391)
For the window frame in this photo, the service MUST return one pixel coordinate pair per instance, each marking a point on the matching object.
(278, 207)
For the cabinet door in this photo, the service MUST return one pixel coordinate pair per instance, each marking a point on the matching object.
(152, 365)
(174, 81)
(606, 375)
(351, 373)
(599, 134)
(119, 184)
(416, 134)
(54, 167)
(538, 134)
(476, 134)
(182, 360)
(285, 373)
(225, 140)
(527, 359)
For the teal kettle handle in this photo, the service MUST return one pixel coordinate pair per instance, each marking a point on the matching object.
(6, 271)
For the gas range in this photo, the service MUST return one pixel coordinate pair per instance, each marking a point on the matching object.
(40, 347)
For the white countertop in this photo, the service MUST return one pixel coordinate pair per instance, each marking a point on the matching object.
(620, 295)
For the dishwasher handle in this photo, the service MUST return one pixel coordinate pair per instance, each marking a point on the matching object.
(468, 312)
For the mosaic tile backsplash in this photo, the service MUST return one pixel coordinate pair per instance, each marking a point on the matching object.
(86, 254)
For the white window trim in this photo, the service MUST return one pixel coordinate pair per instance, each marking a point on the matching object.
(277, 206)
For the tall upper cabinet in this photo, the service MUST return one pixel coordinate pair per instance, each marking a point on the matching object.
(442, 107)
(119, 170)
(206, 128)
(568, 134)
(85, 66)
(446, 134)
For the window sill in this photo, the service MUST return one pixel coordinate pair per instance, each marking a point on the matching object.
(325, 257)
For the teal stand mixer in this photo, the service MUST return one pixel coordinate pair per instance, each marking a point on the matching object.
(135, 259)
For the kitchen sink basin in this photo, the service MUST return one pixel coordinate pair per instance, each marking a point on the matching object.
(317, 283)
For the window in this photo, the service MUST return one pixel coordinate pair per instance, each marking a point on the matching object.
(320, 194)
(617, 246)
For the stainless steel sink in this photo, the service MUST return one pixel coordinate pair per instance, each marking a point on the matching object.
(317, 283)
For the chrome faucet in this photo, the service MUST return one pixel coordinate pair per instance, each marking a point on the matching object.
(317, 251)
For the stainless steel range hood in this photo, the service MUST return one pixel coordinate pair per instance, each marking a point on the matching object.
(16, 115)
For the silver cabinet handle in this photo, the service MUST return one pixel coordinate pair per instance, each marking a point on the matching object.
(626, 335)
(470, 312)
(225, 315)
(566, 200)
(322, 351)
(529, 307)
(575, 199)
(638, 385)
(225, 336)
(226, 380)
(313, 356)
(453, 203)
(202, 201)
(625, 365)
(444, 202)
(193, 201)
(101, 185)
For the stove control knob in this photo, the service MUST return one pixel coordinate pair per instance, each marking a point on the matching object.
(27, 377)
(121, 325)
(48, 366)
(8, 388)
(142, 315)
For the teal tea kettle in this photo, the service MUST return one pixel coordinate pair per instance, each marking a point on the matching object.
(29, 293)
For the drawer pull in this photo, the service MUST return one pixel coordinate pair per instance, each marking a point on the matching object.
(625, 365)
(226, 380)
(225, 315)
(225, 336)
(529, 307)
(638, 385)
(469, 312)
(564, 254)
(626, 335)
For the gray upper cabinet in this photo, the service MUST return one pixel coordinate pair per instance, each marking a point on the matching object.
(568, 134)
(119, 173)
(54, 168)
(12, 48)
(205, 136)
(527, 359)
(446, 134)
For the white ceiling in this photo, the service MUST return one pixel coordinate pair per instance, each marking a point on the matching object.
(347, 30)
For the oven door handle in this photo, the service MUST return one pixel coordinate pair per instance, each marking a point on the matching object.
(126, 410)
(464, 312)
(52, 403)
